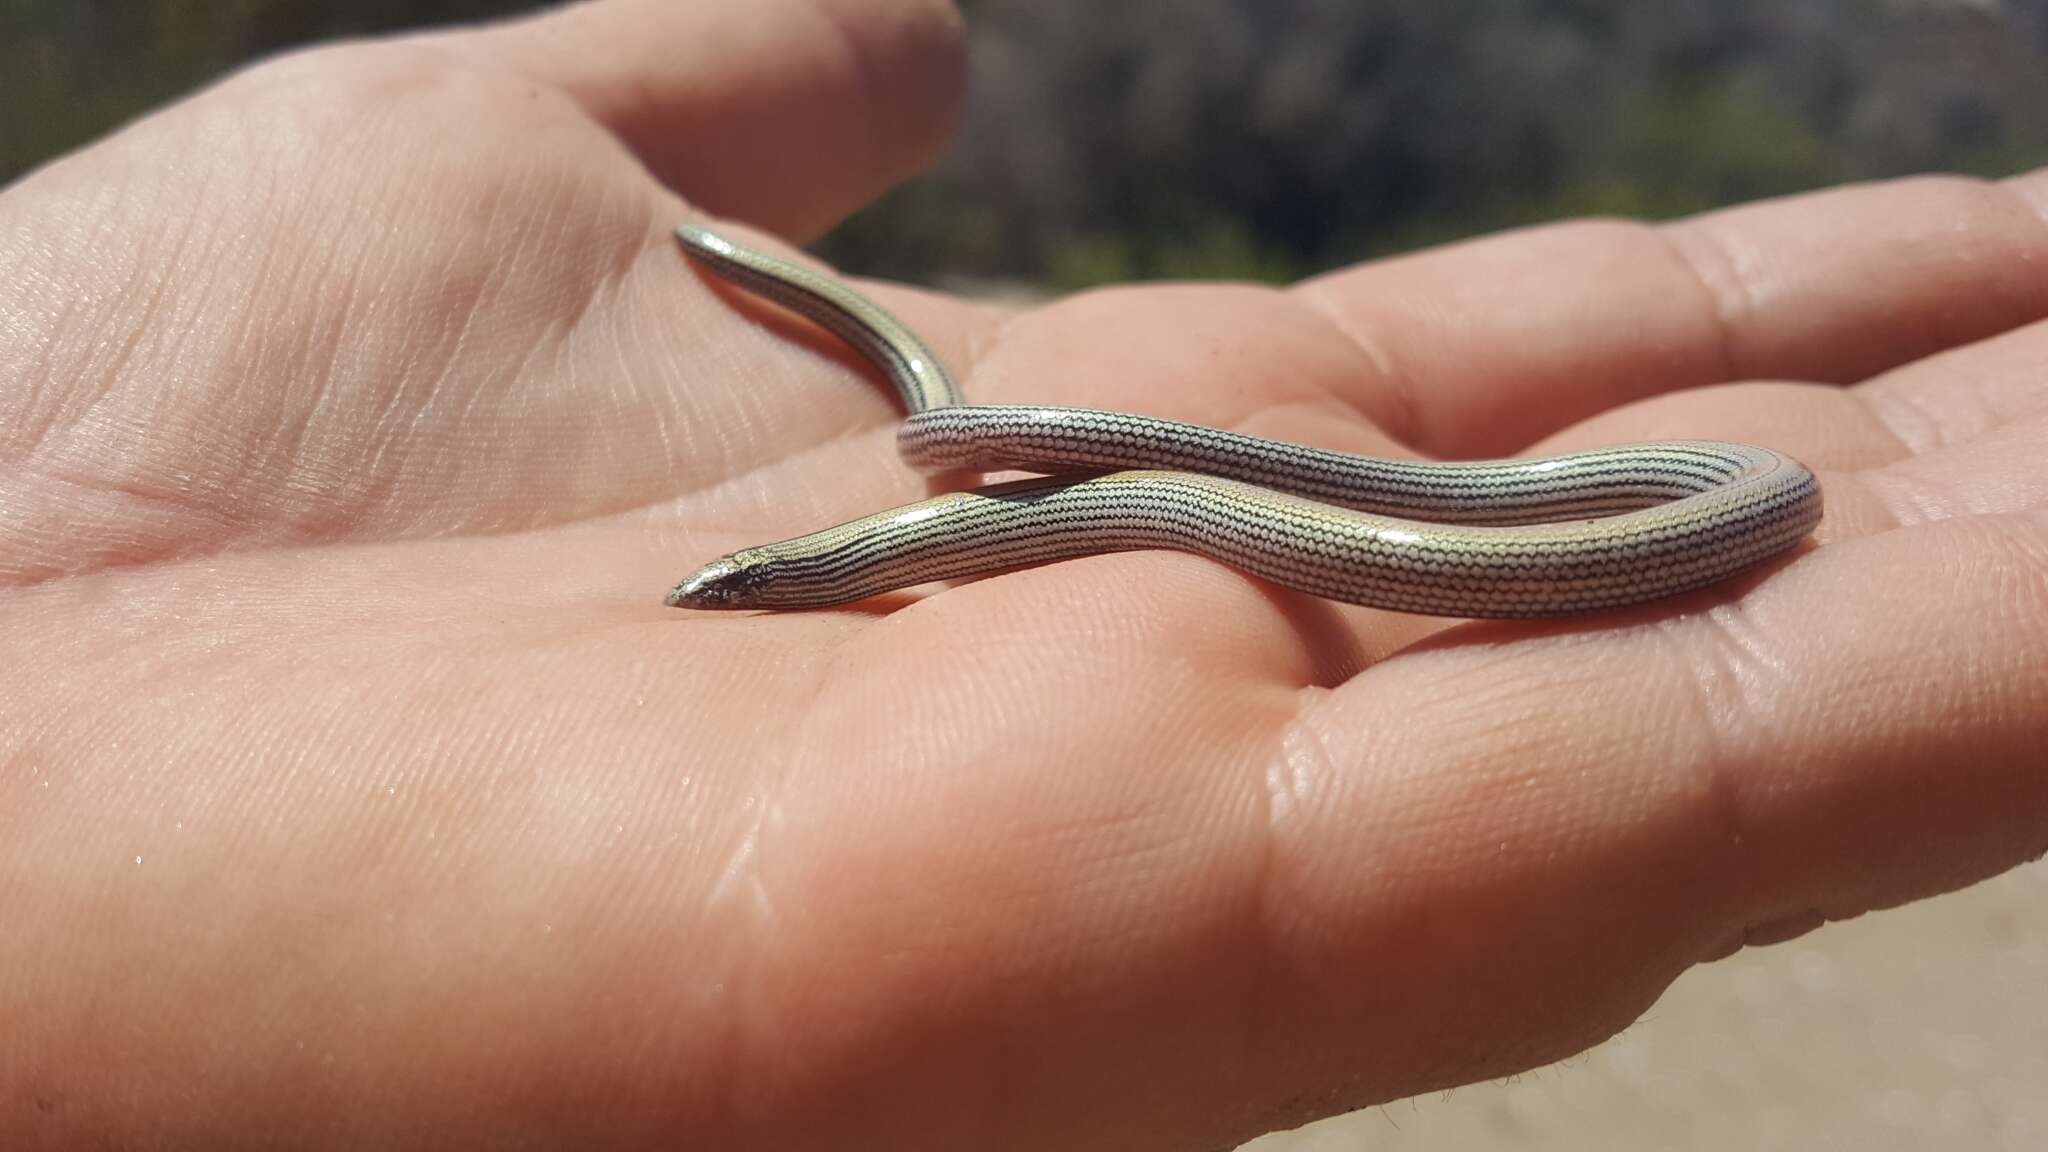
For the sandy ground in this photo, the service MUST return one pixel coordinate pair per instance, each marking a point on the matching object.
(1924, 1027)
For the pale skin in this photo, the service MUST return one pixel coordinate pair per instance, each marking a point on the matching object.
(359, 791)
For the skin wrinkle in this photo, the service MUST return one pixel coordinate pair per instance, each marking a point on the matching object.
(618, 337)
(379, 490)
(109, 551)
(1720, 690)
(1896, 448)
(2000, 196)
(1988, 393)
(758, 1030)
(2030, 551)
(137, 488)
(311, 354)
(444, 347)
(1509, 708)
(1403, 419)
(662, 248)
(1601, 235)
(319, 358)
(2023, 537)
(1532, 743)
(1302, 755)
(1854, 511)
(269, 199)
(1907, 418)
(502, 269)
(2015, 483)
(1725, 299)
(1908, 499)
(1078, 978)
(153, 300)
(177, 261)
(302, 271)
(1465, 803)
(241, 613)
(751, 1032)
(267, 265)
(476, 291)
(1989, 547)
(466, 750)
(1332, 650)
(17, 424)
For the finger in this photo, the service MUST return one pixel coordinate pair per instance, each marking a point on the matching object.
(1870, 481)
(1489, 346)
(787, 114)
(1959, 433)
(1610, 806)
(1964, 393)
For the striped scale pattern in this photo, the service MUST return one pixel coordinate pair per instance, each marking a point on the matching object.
(1502, 538)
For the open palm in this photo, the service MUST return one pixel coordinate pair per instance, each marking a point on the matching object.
(355, 415)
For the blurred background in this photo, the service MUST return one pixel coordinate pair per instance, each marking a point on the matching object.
(1128, 139)
(1266, 138)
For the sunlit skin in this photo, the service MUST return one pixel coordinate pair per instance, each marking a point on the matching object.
(360, 791)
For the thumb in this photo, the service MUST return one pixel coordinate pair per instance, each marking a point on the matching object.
(785, 114)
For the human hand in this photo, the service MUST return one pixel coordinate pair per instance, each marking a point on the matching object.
(355, 415)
